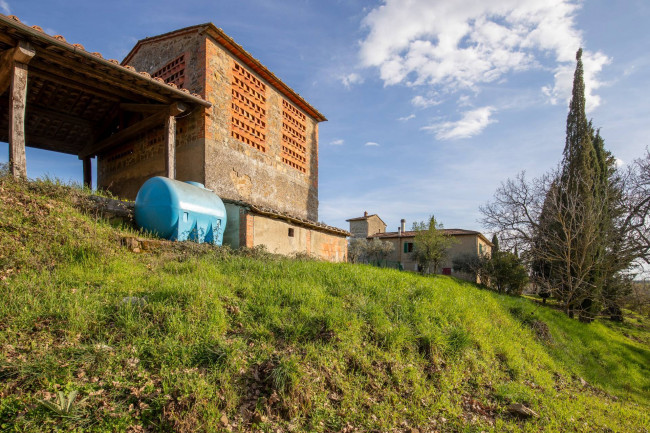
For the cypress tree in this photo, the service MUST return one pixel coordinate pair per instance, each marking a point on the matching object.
(579, 186)
(495, 242)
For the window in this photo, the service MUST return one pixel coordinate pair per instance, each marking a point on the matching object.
(408, 247)
(294, 138)
(480, 248)
(290, 232)
(248, 108)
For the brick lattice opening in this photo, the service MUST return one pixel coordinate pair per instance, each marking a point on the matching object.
(173, 72)
(294, 138)
(248, 108)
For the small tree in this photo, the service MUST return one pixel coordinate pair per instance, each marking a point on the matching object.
(357, 249)
(377, 250)
(431, 244)
(506, 273)
(503, 271)
(473, 264)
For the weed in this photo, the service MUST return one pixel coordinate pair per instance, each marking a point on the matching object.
(285, 375)
(64, 405)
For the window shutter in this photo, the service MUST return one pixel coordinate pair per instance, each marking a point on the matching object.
(406, 247)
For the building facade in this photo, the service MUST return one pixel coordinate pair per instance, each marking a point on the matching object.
(467, 242)
(256, 146)
(362, 227)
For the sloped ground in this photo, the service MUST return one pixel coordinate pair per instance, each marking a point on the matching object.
(193, 338)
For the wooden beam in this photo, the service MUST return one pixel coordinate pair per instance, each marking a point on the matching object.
(106, 123)
(111, 76)
(123, 135)
(133, 130)
(126, 134)
(22, 53)
(46, 143)
(17, 103)
(80, 83)
(88, 172)
(48, 113)
(149, 108)
(6, 69)
(170, 146)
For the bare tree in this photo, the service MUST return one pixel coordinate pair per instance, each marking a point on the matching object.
(555, 232)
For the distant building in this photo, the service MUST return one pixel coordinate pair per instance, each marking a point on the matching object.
(362, 227)
(468, 242)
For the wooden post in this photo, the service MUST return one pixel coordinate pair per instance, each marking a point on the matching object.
(88, 172)
(170, 147)
(21, 55)
(17, 103)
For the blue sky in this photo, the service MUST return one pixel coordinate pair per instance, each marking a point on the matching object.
(431, 104)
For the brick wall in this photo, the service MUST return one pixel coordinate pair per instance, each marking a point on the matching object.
(278, 169)
(123, 170)
(238, 170)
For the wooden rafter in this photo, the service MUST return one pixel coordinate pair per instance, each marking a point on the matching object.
(148, 108)
(132, 131)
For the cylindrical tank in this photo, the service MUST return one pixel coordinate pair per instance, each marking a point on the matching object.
(180, 211)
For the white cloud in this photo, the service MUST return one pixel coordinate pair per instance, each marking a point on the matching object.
(4, 7)
(560, 92)
(472, 123)
(337, 142)
(463, 101)
(456, 45)
(371, 143)
(350, 79)
(406, 118)
(422, 102)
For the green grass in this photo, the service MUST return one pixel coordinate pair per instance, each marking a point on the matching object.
(202, 339)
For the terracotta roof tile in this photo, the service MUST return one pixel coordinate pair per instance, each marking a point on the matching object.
(451, 232)
(293, 219)
(79, 47)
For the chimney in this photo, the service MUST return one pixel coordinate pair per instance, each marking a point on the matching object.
(365, 213)
(399, 231)
(403, 225)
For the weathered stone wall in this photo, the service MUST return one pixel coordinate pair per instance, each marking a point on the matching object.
(362, 228)
(206, 152)
(123, 170)
(239, 171)
(359, 229)
(375, 225)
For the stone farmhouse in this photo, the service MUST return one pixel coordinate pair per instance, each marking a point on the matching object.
(191, 105)
(467, 242)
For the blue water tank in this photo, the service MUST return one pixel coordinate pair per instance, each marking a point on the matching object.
(180, 211)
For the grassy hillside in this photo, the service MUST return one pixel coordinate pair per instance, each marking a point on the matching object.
(191, 338)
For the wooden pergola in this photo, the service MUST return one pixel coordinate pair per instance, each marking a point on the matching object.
(57, 96)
